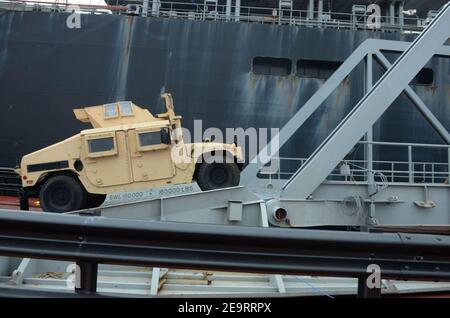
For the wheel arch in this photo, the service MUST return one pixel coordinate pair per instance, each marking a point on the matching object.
(47, 175)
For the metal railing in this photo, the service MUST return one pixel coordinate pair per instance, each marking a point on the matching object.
(394, 171)
(217, 12)
(56, 6)
(103, 240)
(273, 15)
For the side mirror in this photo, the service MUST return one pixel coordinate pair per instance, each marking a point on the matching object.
(165, 136)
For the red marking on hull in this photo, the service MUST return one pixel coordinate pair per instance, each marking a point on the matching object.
(12, 203)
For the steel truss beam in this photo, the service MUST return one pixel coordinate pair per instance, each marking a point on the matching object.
(420, 105)
(368, 110)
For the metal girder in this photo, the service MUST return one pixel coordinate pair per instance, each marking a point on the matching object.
(249, 174)
(16, 292)
(370, 46)
(236, 205)
(421, 107)
(202, 246)
(427, 44)
(370, 108)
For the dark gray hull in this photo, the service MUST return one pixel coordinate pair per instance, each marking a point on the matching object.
(47, 69)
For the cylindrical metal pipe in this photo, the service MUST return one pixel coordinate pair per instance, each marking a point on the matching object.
(144, 8)
(228, 10)
(410, 165)
(311, 9)
(237, 10)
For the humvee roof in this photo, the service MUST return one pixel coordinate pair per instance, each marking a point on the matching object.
(114, 114)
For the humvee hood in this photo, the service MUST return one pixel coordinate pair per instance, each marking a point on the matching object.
(197, 149)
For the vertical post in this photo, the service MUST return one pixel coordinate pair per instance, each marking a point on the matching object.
(228, 10)
(291, 17)
(154, 286)
(432, 173)
(144, 8)
(392, 172)
(448, 165)
(392, 12)
(368, 150)
(155, 8)
(320, 10)
(364, 291)
(311, 9)
(237, 10)
(401, 17)
(280, 12)
(410, 165)
(23, 200)
(88, 277)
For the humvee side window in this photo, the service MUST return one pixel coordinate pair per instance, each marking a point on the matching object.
(101, 144)
(149, 138)
(126, 109)
(110, 110)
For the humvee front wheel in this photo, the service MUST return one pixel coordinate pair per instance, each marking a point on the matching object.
(217, 175)
(62, 194)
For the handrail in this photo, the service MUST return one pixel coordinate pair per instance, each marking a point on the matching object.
(262, 14)
(400, 171)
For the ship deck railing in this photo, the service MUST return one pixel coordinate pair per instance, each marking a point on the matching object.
(383, 171)
(216, 12)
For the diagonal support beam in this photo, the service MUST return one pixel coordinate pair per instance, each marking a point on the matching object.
(418, 102)
(250, 172)
(370, 108)
(370, 46)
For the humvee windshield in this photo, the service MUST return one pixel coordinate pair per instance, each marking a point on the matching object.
(110, 111)
(125, 109)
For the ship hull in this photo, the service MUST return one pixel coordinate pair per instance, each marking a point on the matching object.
(47, 69)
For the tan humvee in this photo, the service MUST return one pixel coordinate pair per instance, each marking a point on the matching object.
(127, 149)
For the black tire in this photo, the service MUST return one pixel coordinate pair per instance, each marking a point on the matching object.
(62, 193)
(217, 175)
(95, 200)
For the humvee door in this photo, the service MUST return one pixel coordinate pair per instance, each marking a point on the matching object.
(106, 158)
(150, 150)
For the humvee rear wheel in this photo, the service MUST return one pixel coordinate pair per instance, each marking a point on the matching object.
(217, 175)
(62, 194)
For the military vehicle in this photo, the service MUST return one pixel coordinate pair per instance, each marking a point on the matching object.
(127, 149)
